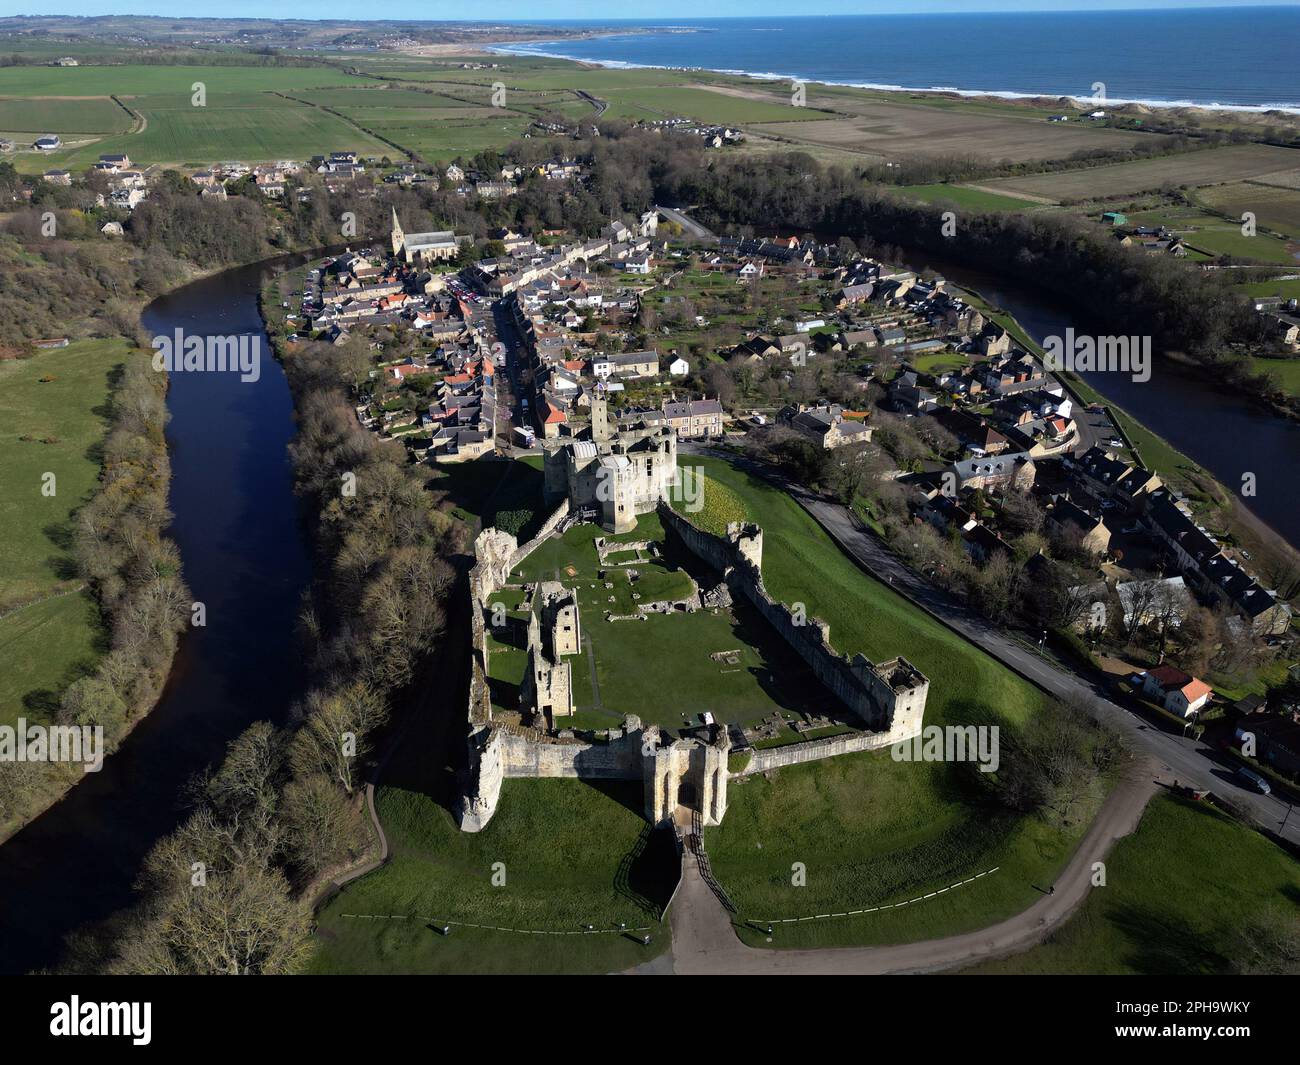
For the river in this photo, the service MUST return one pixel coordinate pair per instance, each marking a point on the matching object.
(1220, 429)
(246, 559)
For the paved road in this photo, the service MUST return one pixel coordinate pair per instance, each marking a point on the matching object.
(692, 227)
(704, 942)
(1187, 760)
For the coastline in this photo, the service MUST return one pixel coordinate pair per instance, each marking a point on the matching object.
(523, 49)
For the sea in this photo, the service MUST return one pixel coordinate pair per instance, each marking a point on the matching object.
(1243, 57)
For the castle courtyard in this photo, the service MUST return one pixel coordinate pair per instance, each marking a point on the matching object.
(668, 667)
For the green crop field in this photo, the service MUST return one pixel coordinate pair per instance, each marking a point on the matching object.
(156, 80)
(1208, 166)
(705, 106)
(1182, 895)
(62, 116)
(51, 426)
(1276, 208)
(968, 198)
(366, 98)
(246, 126)
(445, 139)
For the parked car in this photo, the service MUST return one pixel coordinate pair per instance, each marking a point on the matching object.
(1255, 780)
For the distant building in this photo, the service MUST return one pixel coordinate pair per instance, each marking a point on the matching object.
(436, 246)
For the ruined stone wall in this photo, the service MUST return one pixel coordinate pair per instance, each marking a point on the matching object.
(482, 793)
(620, 759)
(814, 750)
(857, 683)
(548, 526)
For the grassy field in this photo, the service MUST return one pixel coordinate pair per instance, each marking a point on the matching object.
(161, 80)
(968, 198)
(49, 642)
(1287, 289)
(629, 657)
(249, 126)
(894, 127)
(1179, 893)
(18, 114)
(1276, 208)
(1206, 167)
(1287, 372)
(1214, 235)
(871, 830)
(572, 856)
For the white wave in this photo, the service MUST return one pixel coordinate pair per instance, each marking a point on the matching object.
(523, 48)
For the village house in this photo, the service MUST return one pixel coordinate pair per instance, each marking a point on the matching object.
(825, 424)
(1069, 520)
(1277, 740)
(1178, 692)
(694, 419)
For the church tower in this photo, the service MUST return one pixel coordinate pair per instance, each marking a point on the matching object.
(399, 238)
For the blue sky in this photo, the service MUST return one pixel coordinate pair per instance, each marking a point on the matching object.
(529, 10)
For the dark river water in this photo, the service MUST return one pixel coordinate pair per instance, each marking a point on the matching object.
(1221, 430)
(245, 558)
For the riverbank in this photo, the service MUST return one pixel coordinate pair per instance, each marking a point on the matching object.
(235, 523)
(113, 539)
(1217, 505)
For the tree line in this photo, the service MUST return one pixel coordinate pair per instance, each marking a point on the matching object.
(285, 806)
(134, 573)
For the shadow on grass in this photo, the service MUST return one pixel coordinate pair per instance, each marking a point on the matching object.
(1160, 944)
(648, 873)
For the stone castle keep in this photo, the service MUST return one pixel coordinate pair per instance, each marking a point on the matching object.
(888, 698)
(616, 475)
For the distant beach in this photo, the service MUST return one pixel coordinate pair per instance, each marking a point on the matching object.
(1239, 59)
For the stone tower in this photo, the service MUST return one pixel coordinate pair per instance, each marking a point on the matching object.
(398, 236)
(601, 430)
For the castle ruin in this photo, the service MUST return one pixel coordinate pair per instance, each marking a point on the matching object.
(614, 474)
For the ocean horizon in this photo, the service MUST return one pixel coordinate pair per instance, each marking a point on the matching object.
(1239, 58)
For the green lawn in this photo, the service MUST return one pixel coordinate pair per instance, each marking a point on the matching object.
(1287, 372)
(1214, 235)
(661, 668)
(802, 564)
(871, 830)
(48, 644)
(569, 855)
(1290, 289)
(1179, 893)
